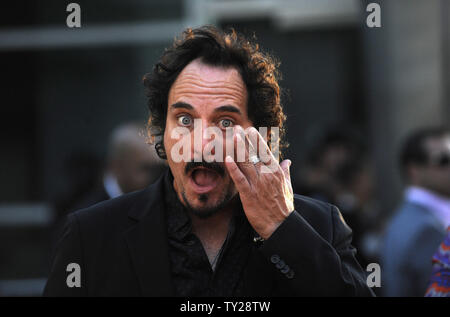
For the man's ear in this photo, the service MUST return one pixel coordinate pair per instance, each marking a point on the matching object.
(156, 136)
(160, 150)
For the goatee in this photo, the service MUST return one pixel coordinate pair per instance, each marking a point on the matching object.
(206, 212)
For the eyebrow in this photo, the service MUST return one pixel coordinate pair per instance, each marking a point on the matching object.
(228, 108)
(225, 108)
(182, 105)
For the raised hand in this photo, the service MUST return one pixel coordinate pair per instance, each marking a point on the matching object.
(264, 187)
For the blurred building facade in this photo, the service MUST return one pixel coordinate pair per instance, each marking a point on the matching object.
(64, 90)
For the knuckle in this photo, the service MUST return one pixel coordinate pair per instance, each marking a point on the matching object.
(240, 178)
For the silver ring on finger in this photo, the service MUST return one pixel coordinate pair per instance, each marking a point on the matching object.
(254, 159)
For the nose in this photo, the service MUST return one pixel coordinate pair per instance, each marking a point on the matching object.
(206, 139)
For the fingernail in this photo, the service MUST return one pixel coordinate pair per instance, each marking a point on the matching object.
(228, 159)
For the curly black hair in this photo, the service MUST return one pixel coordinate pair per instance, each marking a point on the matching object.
(259, 72)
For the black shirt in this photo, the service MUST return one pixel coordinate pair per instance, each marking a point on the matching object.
(192, 274)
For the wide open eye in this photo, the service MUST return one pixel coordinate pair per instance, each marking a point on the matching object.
(225, 123)
(185, 121)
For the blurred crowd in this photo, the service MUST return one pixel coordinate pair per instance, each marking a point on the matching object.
(407, 245)
(338, 170)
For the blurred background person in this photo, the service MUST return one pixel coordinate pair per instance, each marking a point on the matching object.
(439, 285)
(419, 224)
(339, 171)
(131, 164)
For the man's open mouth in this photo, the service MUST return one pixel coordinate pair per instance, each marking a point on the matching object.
(204, 179)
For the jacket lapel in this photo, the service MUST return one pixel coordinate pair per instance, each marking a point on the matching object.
(147, 242)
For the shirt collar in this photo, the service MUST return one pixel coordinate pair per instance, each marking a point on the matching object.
(438, 205)
(111, 185)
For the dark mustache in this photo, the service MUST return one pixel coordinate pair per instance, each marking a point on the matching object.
(213, 166)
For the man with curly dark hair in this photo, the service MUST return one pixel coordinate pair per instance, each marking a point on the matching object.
(223, 220)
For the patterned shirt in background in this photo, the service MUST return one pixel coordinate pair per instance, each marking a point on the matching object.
(440, 279)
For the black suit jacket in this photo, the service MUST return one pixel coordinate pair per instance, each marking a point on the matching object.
(122, 249)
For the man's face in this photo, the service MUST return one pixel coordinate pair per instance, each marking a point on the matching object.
(435, 175)
(218, 97)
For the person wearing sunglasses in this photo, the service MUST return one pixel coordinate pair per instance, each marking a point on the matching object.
(419, 225)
